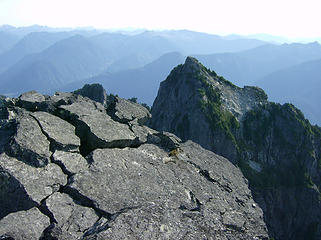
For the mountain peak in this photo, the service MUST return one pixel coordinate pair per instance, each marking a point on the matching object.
(273, 144)
(193, 95)
(197, 82)
(192, 64)
(191, 60)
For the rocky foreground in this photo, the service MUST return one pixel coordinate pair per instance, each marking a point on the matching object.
(74, 168)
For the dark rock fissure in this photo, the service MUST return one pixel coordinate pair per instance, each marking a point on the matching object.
(87, 138)
(240, 201)
(84, 201)
(204, 173)
(234, 227)
(45, 210)
(198, 203)
(123, 210)
(47, 233)
(63, 168)
(81, 130)
(111, 109)
(96, 228)
(194, 200)
(99, 227)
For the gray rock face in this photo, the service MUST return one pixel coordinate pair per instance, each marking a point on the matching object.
(276, 148)
(38, 183)
(29, 144)
(23, 225)
(68, 170)
(125, 111)
(72, 162)
(61, 132)
(95, 92)
(72, 219)
(180, 186)
(95, 127)
(31, 100)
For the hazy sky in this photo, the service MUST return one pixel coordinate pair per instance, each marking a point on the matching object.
(292, 18)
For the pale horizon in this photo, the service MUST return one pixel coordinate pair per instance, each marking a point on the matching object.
(291, 19)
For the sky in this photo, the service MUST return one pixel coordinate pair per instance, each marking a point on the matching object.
(289, 18)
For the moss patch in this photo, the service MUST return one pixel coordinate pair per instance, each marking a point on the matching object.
(218, 118)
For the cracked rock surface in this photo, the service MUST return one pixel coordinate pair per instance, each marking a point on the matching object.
(72, 168)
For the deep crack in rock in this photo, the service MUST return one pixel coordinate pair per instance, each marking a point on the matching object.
(204, 173)
(85, 201)
(45, 210)
(89, 141)
(99, 226)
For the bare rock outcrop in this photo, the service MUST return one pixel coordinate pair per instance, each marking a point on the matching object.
(72, 168)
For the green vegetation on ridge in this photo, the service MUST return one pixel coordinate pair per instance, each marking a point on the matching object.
(262, 128)
(211, 105)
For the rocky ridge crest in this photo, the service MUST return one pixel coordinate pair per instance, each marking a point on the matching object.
(73, 168)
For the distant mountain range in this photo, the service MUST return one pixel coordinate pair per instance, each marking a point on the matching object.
(189, 42)
(66, 61)
(45, 61)
(246, 67)
(132, 64)
(32, 43)
(7, 40)
(300, 85)
(142, 82)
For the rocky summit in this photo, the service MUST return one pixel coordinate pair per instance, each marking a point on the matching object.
(75, 168)
(277, 149)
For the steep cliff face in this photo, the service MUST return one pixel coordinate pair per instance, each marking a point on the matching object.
(196, 104)
(72, 168)
(274, 145)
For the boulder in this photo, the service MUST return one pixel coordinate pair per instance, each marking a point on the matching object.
(126, 111)
(95, 128)
(95, 92)
(29, 144)
(60, 133)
